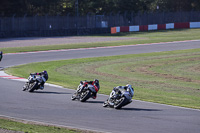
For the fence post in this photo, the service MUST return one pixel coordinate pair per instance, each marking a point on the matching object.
(23, 25)
(13, 21)
(46, 25)
(35, 22)
(117, 19)
(0, 24)
(68, 21)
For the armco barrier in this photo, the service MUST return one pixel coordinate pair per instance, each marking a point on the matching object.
(153, 27)
(157, 27)
(113, 30)
(181, 25)
(124, 29)
(161, 26)
(134, 28)
(194, 24)
(143, 28)
(118, 29)
(170, 26)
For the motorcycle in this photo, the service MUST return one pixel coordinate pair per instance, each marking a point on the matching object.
(83, 93)
(119, 97)
(34, 83)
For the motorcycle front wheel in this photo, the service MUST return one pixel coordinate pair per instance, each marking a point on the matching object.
(73, 96)
(105, 104)
(85, 96)
(25, 87)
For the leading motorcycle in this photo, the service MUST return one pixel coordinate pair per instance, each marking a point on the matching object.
(119, 97)
(33, 83)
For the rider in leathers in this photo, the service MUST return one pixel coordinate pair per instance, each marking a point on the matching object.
(96, 85)
(128, 88)
(44, 76)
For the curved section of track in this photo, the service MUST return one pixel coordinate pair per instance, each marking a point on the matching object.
(53, 105)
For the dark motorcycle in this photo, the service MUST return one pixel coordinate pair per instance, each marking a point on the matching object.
(34, 83)
(119, 97)
(83, 93)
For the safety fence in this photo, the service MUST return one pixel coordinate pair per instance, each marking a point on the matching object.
(70, 25)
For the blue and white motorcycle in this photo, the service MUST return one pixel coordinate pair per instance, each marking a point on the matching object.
(119, 97)
(33, 83)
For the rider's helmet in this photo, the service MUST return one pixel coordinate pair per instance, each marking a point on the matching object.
(130, 89)
(96, 81)
(128, 86)
(45, 72)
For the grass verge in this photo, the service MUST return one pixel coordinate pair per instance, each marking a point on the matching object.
(166, 77)
(30, 127)
(143, 37)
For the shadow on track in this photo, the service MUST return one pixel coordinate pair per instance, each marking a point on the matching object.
(50, 92)
(95, 102)
(139, 109)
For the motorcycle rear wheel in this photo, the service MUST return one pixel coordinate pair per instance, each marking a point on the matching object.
(32, 87)
(120, 103)
(85, 96)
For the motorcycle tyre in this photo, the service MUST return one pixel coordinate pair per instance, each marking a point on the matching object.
(73, 96)
(85, 97)
(33, 86)
(105, 104)
(122, 103)
(25, 87)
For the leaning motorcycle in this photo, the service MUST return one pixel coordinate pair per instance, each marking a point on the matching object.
(33, 83)
(83, 93)
(119, 97)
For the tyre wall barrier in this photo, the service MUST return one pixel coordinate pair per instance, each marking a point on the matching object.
(151, 27)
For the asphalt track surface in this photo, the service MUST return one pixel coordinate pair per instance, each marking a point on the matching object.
(54, 106)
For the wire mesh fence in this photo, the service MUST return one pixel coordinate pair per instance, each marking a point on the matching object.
(89, 24)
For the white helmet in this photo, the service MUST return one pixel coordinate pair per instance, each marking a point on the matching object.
(128, 86)
(130, 89)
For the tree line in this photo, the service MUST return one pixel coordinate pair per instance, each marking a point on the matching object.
(63, 7)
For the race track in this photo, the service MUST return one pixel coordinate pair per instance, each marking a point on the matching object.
(53, 105)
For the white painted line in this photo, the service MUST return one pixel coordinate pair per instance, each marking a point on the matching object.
(169, 105)
(6, 76)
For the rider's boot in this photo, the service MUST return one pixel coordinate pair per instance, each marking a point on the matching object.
(42, 86)
(94, 95)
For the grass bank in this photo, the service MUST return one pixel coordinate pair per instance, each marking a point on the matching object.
(166, 77)
(142, 38)
(29, 127)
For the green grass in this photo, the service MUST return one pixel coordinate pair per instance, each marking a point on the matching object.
(33, 128)
(166, 77)
(142, 38)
